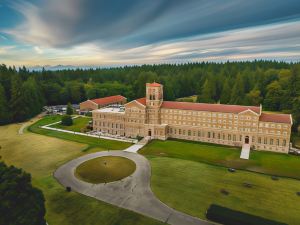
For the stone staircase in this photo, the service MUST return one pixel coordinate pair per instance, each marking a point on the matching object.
(245, 151)
(136, 147)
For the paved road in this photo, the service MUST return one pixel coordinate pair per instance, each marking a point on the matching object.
(133, 192)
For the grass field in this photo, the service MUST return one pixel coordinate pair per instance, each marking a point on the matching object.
(191, 187)
(90, 141)
(263, 162)
(41, 155)
(105, 169)
(79, 123)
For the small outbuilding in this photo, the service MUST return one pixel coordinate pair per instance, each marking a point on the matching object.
(92, 104)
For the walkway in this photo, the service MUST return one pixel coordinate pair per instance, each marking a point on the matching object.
(133, 192)
(245, 151)
(135, 148)
(48, 126)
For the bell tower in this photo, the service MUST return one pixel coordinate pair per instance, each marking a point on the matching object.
(154, 99)
(154, 94)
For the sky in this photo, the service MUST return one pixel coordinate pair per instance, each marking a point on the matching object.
(130, 32)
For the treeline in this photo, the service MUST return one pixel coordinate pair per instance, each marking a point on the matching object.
(276, 85)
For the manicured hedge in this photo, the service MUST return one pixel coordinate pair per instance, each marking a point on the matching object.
(228, 216)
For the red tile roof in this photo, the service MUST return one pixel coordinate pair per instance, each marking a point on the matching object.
(142, 101)
(108, 100)
(209, 107)
(154, 84)
(277, 118)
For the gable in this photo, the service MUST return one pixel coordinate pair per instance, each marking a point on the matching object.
(134, 104)
(248, 112)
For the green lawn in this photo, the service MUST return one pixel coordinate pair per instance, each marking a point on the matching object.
(105, 169)
(79, 124)
(90, 141)
(191, 187)
(263, 162)
(41, 155)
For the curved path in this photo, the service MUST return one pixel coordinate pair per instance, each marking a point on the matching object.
(133, 192)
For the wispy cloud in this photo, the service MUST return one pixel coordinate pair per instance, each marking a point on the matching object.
(93, 32)
(132, 23)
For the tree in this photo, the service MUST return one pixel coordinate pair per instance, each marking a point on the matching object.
(17, 104)
(69, 109)
(273, 97)
(208, 92)
(4, 111)
(67, 120)
(32, 98)
(20, 203)
(238, 91)
(253, 97)
(296, 114)
(226, 92)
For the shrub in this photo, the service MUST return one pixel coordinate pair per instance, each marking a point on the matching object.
(228, 216)
(68, 189)
(66, 120)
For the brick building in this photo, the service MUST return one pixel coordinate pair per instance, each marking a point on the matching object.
(98, 103)
(233, 125)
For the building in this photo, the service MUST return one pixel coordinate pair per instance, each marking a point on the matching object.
(232, 125)
(98, 103)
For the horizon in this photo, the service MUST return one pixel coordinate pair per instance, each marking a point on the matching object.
(37, 33)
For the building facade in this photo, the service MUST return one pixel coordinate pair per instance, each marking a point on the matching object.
(232, 125)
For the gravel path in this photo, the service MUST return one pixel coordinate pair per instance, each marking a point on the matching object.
(133, 192)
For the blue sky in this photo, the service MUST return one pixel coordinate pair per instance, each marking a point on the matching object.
(119, 32)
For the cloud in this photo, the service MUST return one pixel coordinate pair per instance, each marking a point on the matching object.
(132, 23)
(3, 37)
(38, 50)
(280, 41)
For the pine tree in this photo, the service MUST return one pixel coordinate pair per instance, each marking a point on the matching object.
(17, 104)
(207, 94)
(69, 109)
(238, 91)
(4, 111)
(226, 93)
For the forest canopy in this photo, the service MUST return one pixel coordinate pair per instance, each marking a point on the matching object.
(275, 85)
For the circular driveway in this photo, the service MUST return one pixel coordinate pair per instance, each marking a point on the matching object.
(133, 192)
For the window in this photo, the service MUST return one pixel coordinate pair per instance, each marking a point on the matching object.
(265, 141)
(229, 136)
(199, 133)
(284, 142)
(234, 137)
(219, 136)
(259, 140)
(271, 141)
(208, 134)
(189, 133)
(277, 142)
(179, 131)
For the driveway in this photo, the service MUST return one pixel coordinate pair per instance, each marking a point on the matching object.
(133, 192)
